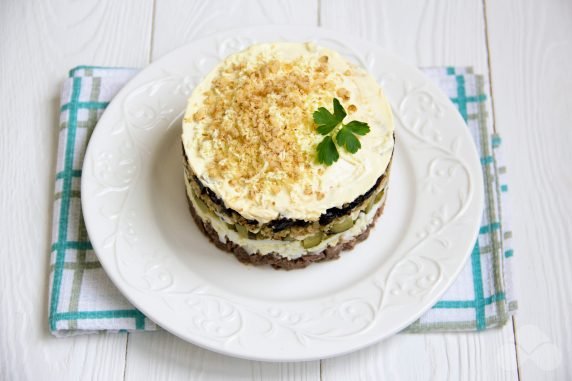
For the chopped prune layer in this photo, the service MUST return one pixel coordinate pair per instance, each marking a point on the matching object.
(284, 228)
(333, 213)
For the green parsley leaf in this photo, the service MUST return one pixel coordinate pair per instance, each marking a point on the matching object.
(359, 128)
(326, 129)
(345, 137)
(339, 111)
(348, 140)
(325, 120)
(327, 151)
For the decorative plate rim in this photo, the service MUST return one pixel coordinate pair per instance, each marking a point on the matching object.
(403, 288)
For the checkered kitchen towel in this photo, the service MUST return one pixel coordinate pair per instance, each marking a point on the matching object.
(482, 296)
(83, 299)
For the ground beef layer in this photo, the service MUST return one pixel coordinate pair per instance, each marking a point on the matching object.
(273, 259)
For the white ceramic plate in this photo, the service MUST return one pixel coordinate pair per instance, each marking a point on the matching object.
(134, 205)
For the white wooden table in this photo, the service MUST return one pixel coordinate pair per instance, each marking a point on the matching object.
(525, 47)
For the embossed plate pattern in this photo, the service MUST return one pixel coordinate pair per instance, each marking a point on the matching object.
(134, 205)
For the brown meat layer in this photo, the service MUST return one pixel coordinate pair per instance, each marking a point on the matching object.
(273, 259)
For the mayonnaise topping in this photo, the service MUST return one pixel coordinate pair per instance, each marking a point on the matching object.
(267, 169)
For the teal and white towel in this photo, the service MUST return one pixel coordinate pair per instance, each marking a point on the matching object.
(483, 295)
(83, 299)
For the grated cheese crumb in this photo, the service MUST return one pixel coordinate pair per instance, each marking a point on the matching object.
(258, 121)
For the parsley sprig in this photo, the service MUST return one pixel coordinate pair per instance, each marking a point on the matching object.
(344, 137)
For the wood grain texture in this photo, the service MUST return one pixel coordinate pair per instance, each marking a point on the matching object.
(161, 355)
(178, 22)
(530, 45)
(41, 41)
(425, 33)
(469, 356)
(531, 50)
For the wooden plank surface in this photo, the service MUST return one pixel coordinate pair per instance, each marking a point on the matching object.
(162, 356)
(40, 42)
(425, 33)
(178, 22)
(472, 356)
(531, 50)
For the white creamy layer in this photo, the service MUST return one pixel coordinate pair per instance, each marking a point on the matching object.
(351, 176)
(287, 249)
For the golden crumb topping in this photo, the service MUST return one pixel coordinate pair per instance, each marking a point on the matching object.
(257, 121)
(250, 137)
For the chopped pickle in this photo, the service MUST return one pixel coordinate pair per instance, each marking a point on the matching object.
(230, 226)
(374, 200)
(379, 196)
(252, 235)
(242, 231)
(343, 225)
(370, 204)
(202, 206)
(312, 241)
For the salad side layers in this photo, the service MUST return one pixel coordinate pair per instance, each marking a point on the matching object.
(287, 150)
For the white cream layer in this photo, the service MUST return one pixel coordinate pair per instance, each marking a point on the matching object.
(286, 249)
(342, 182)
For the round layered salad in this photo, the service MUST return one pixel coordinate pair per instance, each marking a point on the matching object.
(287, 150)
